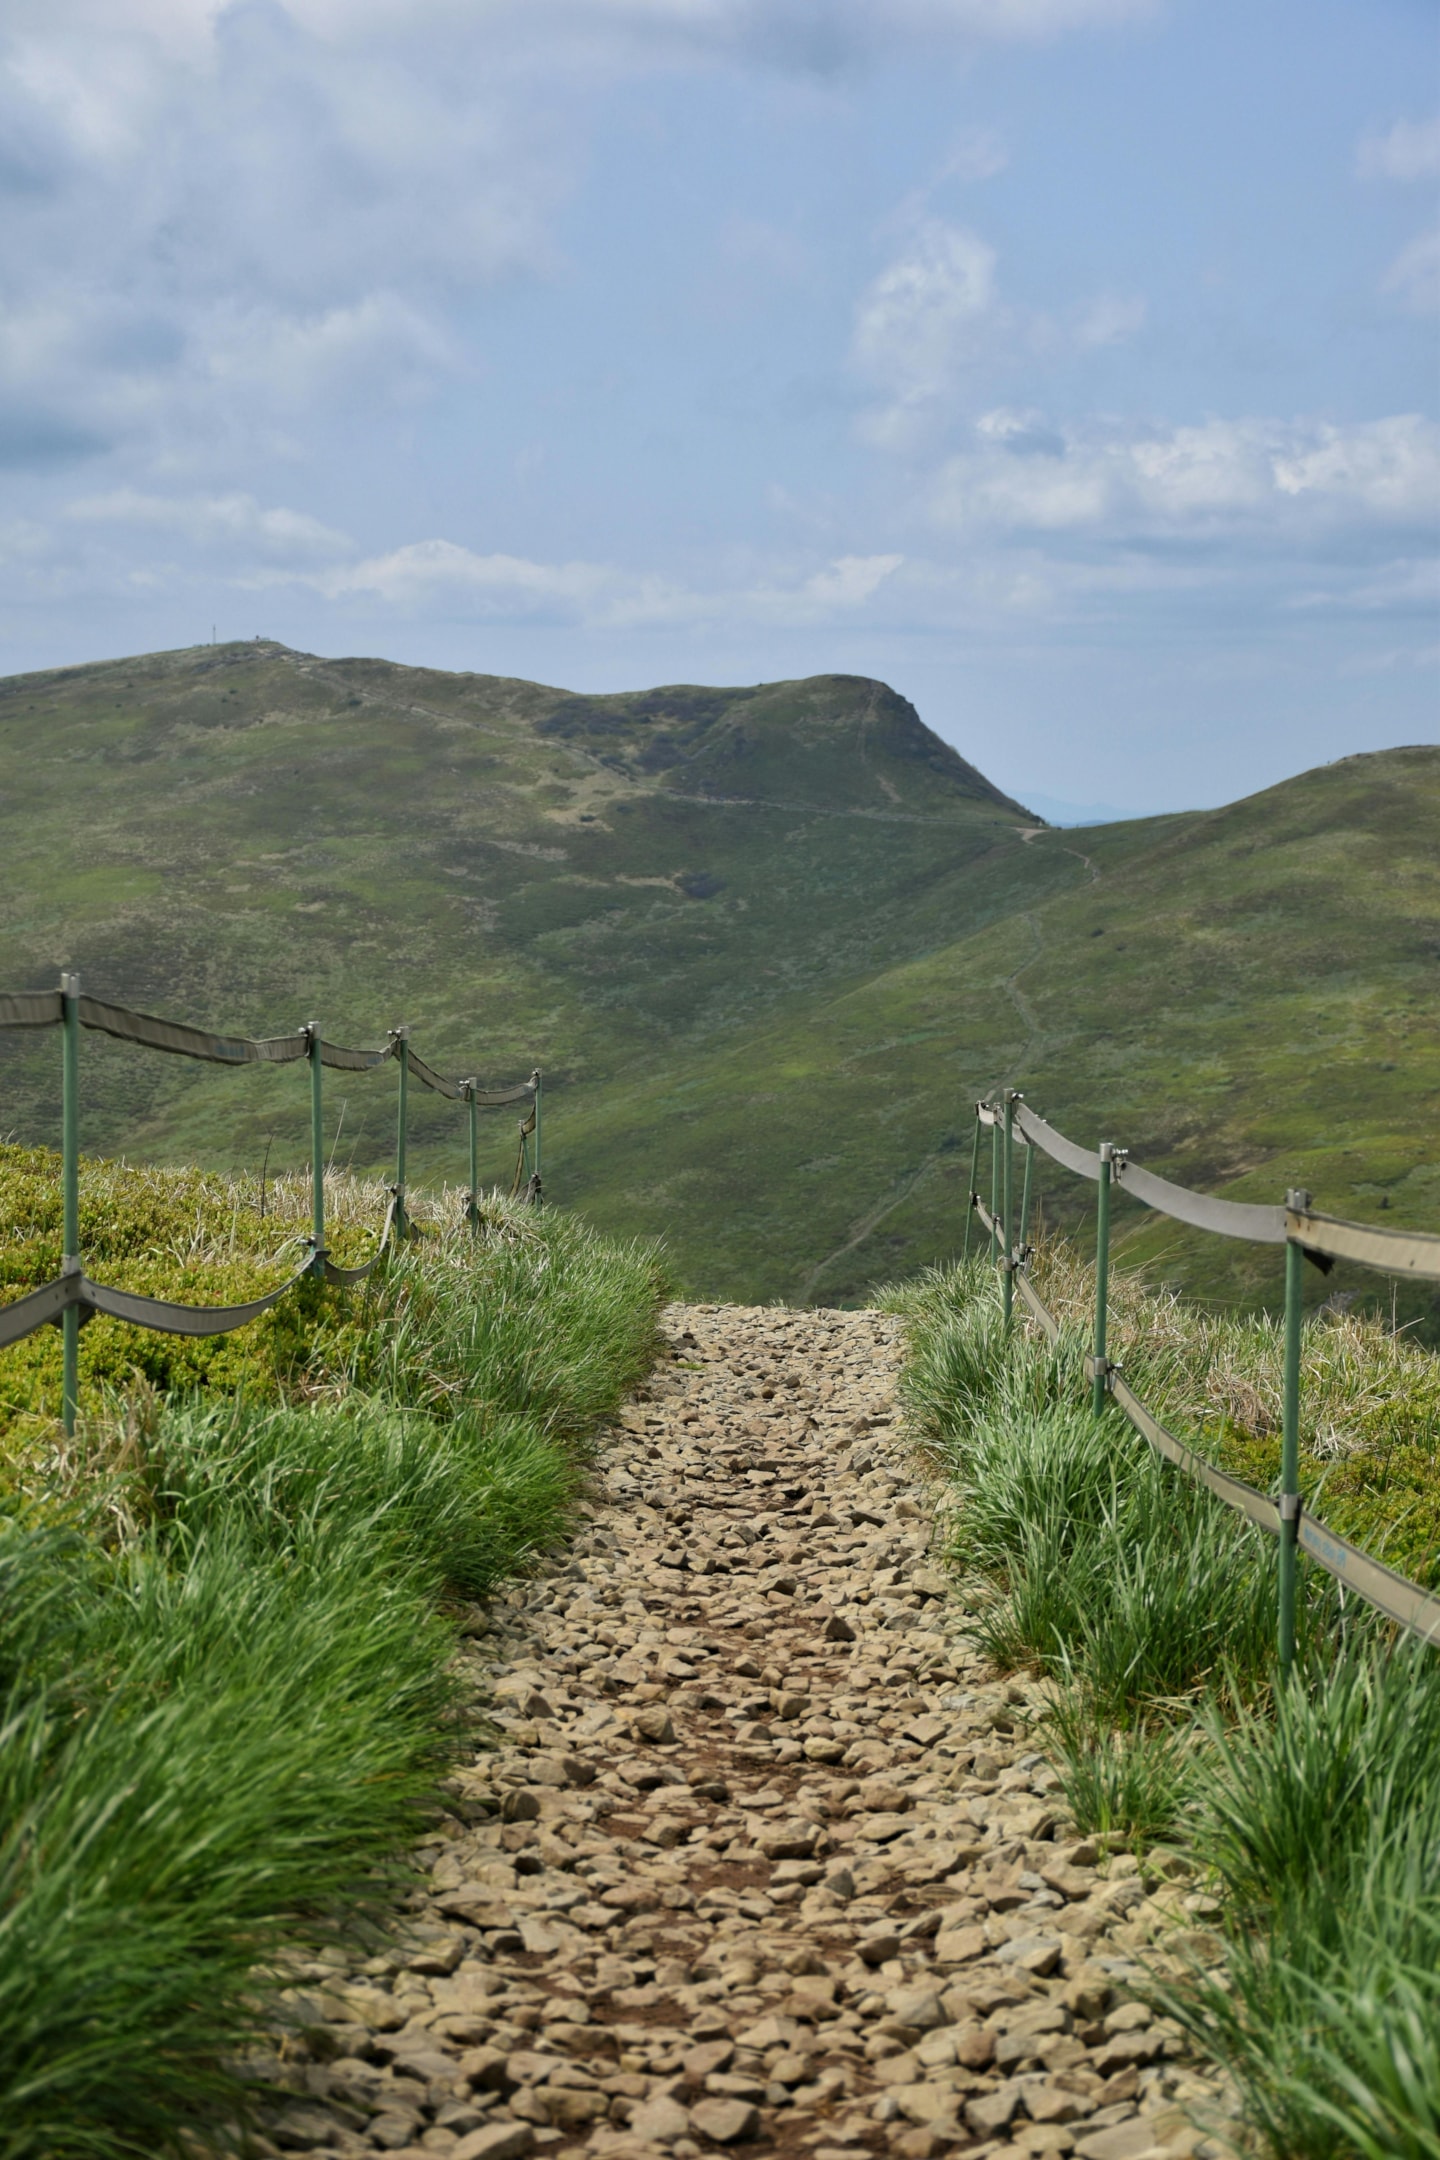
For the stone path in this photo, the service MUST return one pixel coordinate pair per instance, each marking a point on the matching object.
(766, 1858)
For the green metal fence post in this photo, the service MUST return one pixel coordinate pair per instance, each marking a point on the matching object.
(1290, 1437)
(70, 1190)
(1009, 1218)
(535, 1083)
(472, 1205)
(1102, 1279)
(994, 1186)
(971, 1194)
(1025, 1203)
(317, 1149)
(402, 1057)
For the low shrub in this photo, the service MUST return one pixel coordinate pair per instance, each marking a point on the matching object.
(184, 1234)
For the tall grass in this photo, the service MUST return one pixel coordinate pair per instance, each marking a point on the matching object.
(226, 1698)
(215, 1748)
(1097, 1562)
(1314, 1805)
(1322, 1823)
(545, 1322)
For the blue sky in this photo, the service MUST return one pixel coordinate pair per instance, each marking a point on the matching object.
(1071, 364)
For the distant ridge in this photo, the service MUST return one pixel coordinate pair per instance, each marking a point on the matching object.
(768, 942)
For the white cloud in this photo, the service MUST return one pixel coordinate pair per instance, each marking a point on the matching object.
(206, 212)
(213, 212)
(1109, 320)
(1415, 273)
(935, 312)
(442, 576)
(1406, 587)
(769, 27)
(441, 572)
(977, 154)
(296, 356)
(232, 522)
(129, 540)
(1219, 476)
(851, 580)
(919, 324)
(1410, 150)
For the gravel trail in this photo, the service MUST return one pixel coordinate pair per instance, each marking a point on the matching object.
(766, 1858)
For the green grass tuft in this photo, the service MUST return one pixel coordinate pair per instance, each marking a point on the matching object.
(1321, 1822)
(1132, 1782)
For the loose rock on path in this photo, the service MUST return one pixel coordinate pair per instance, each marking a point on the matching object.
(767, 1858)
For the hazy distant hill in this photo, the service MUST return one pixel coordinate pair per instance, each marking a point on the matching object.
(766, 943)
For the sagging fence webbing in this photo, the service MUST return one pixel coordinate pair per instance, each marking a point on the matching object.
(1397, 1252)
(72, 1298)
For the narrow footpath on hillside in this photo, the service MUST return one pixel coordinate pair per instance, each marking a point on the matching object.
(765, 1859)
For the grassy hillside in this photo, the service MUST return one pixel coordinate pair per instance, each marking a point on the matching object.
(766, 943)
(257, 836)
(1245, 997)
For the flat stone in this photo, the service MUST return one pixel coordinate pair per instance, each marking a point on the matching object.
(496, 2141)
(879, 1949)
(729, 2122)
(770, 2032)
(1123, 2141)
(1038, 1954)
(880, 1829)
(1053, 2104)
(878, 1796)
(653, 1724)
(373, 2008)
(990, 2112)
(788, 1841)
(659, 2121)
(1126, 2051)
(919, 2007)
(958, 1946)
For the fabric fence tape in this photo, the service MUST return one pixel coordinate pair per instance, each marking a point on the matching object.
(1393, 1252)
(1083, 1161)
(1227, 1218)
(47, 1303)
(30, 1008)
(52, 1300)
(183, 1041)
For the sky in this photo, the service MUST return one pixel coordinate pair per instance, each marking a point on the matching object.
(1069, 364)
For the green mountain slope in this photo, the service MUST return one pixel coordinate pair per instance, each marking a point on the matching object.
(253, 836)
(1245, 997)
(766, 944)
